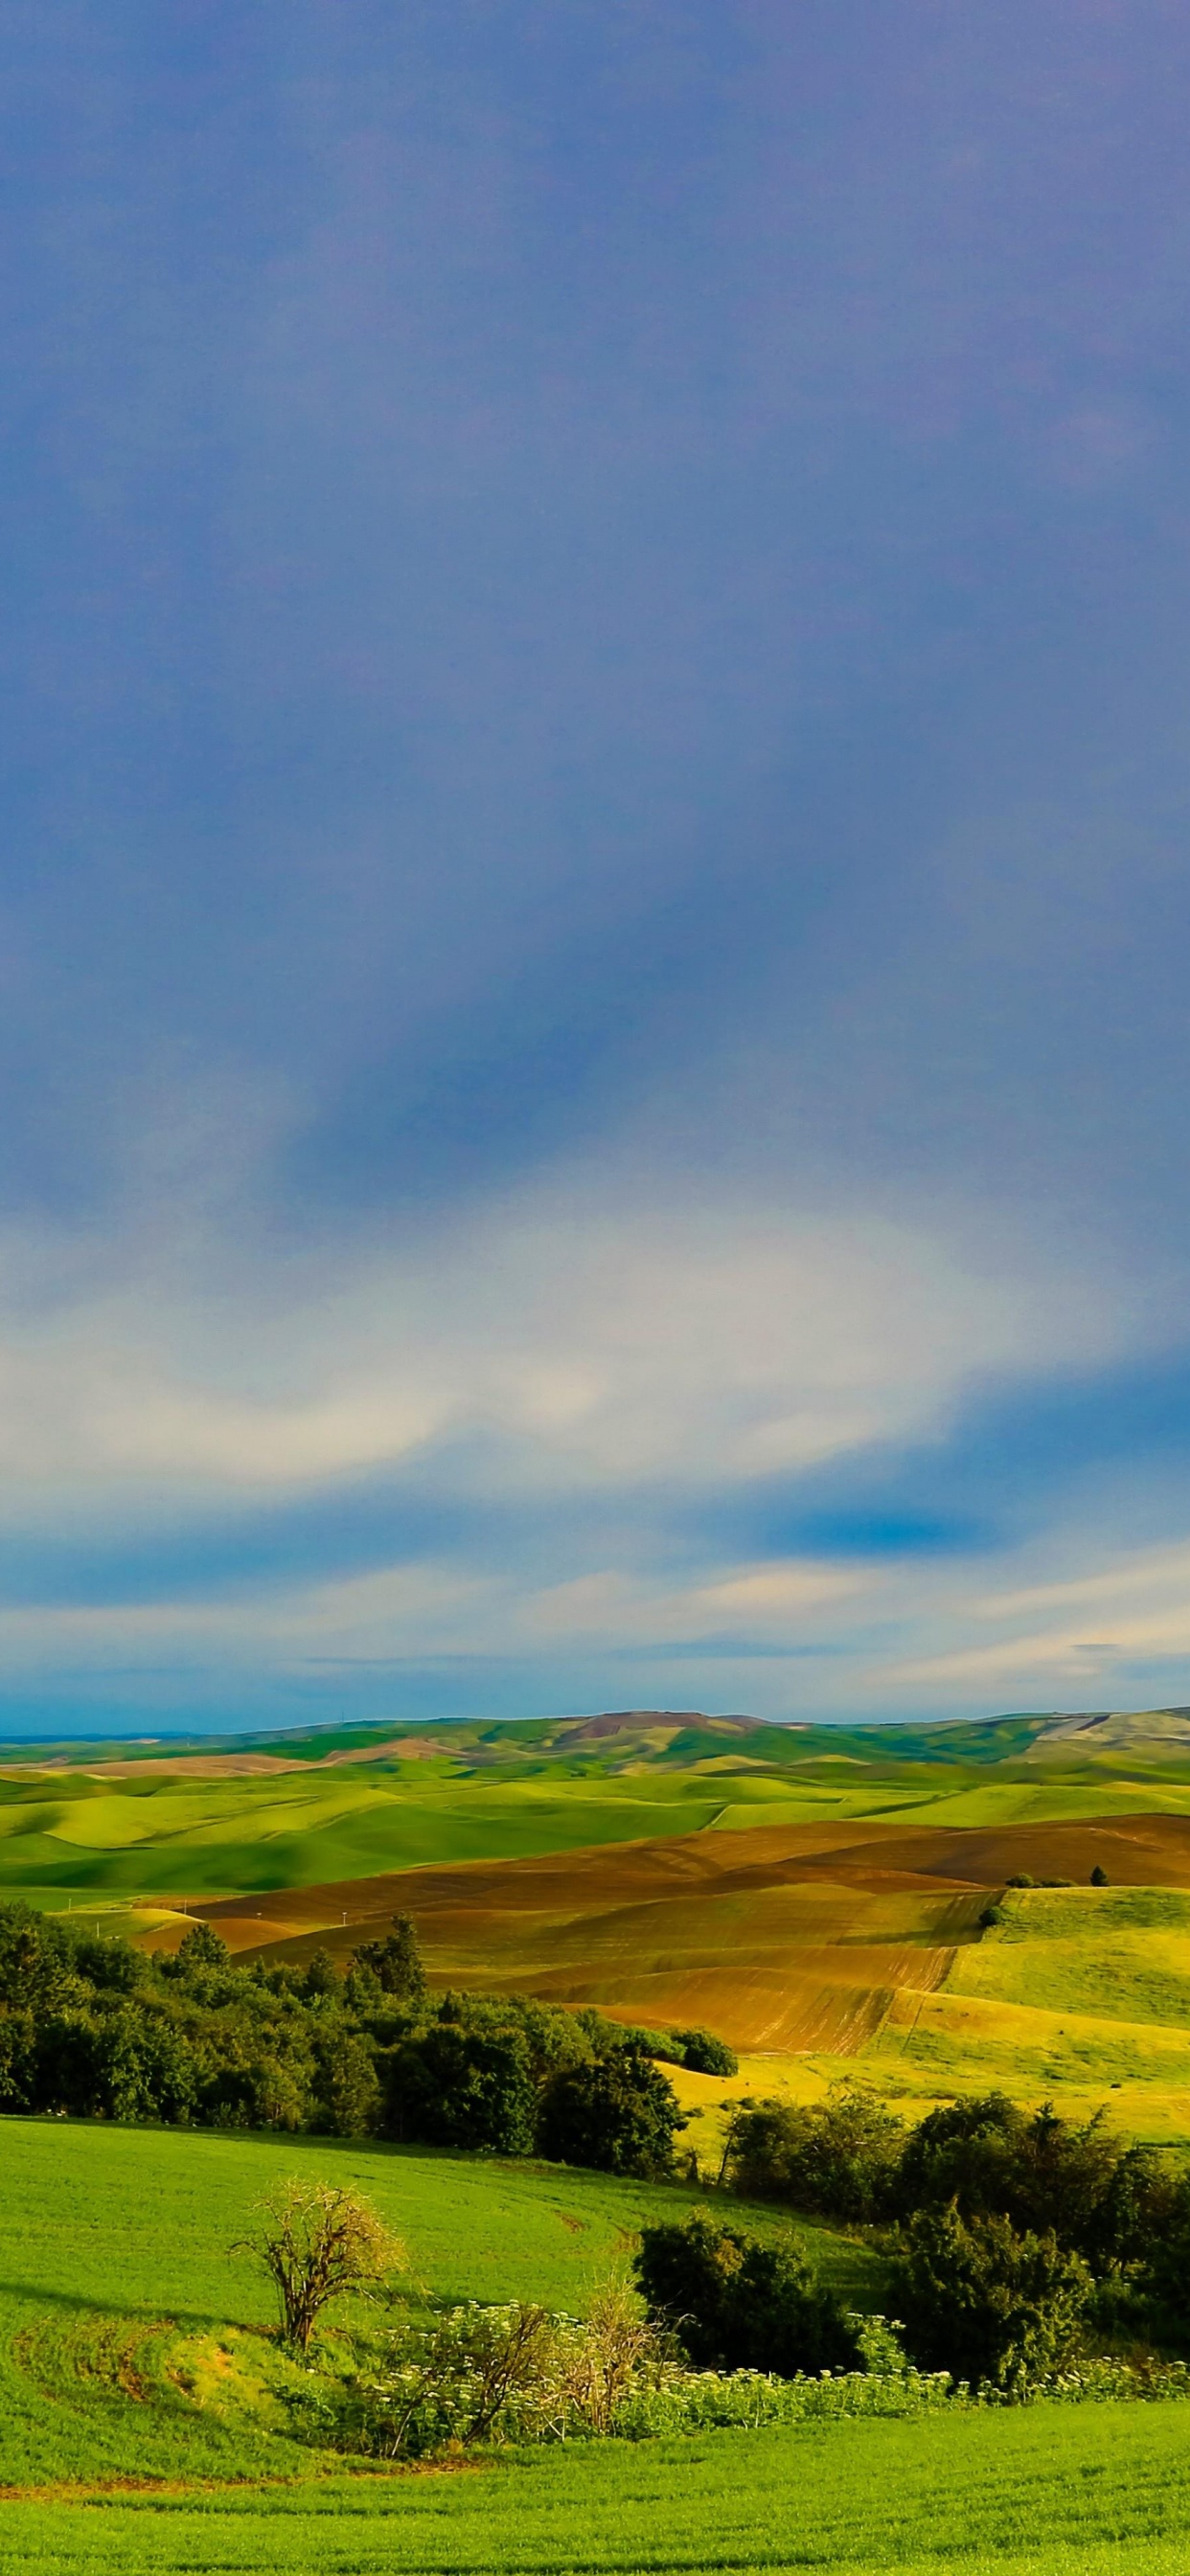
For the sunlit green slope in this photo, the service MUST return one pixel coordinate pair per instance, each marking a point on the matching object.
(268, 1813)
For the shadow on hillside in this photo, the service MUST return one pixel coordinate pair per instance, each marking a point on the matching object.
(34, 2294)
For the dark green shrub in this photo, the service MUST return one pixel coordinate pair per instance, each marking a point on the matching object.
(986, 2304)
(618, 2114)
(704, 2054)
(836, 2159)
(736, 2304)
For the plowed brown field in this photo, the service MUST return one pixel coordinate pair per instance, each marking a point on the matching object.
(780, 1937)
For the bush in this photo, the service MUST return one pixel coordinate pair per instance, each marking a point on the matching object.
(838, 2159)
(986, 2304)
(704, 2054)
(736, 2304)
(618, 2114)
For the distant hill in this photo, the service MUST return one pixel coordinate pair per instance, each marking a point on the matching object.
(615, 1741)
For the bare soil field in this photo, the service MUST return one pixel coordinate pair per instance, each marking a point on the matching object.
(782, 1938)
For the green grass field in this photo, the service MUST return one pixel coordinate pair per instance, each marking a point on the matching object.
(122, 2245)
(1099, 2491)
(117, 2261)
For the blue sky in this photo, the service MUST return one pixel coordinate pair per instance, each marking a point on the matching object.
(594, 916)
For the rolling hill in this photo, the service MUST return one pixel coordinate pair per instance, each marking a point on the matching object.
(817, 1895)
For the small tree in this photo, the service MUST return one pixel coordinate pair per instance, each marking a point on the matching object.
(395, 1962)
(201, 1950)
(318, 2243)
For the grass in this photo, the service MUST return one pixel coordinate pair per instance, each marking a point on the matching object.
(1048, 2492)
(117, 2272)
(122, 2244)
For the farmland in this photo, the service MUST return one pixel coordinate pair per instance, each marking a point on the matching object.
(815, 1896)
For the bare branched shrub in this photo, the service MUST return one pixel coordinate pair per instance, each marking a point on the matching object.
(318, 2243)
(615, 2350)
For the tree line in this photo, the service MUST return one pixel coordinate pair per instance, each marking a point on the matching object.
(1018, 2238)
(92, 2028)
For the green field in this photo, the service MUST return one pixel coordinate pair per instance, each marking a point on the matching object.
(122, 2244)
(117, 2260)
(262, 1813)
(1050, 2492)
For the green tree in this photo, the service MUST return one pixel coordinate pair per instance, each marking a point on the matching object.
(463, 2088)
(321, 1977)
(396, 1961)
(986, 2304)
(143, 2068)
(704, 2054)
(836, 2158)
(1107, 2199)
(348, 2088)
(619, 2114)
(200, 1949)
(737, 2304)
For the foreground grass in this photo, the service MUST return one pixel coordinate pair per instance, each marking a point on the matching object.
(1048, 2492)
(116, 2274)
(117, 2254)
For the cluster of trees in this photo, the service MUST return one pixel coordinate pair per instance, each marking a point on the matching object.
(1016, 2232)
(734, 2303)
(93, 2028)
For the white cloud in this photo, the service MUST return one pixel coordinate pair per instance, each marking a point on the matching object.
(1132, 1610)
(578, 1345)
